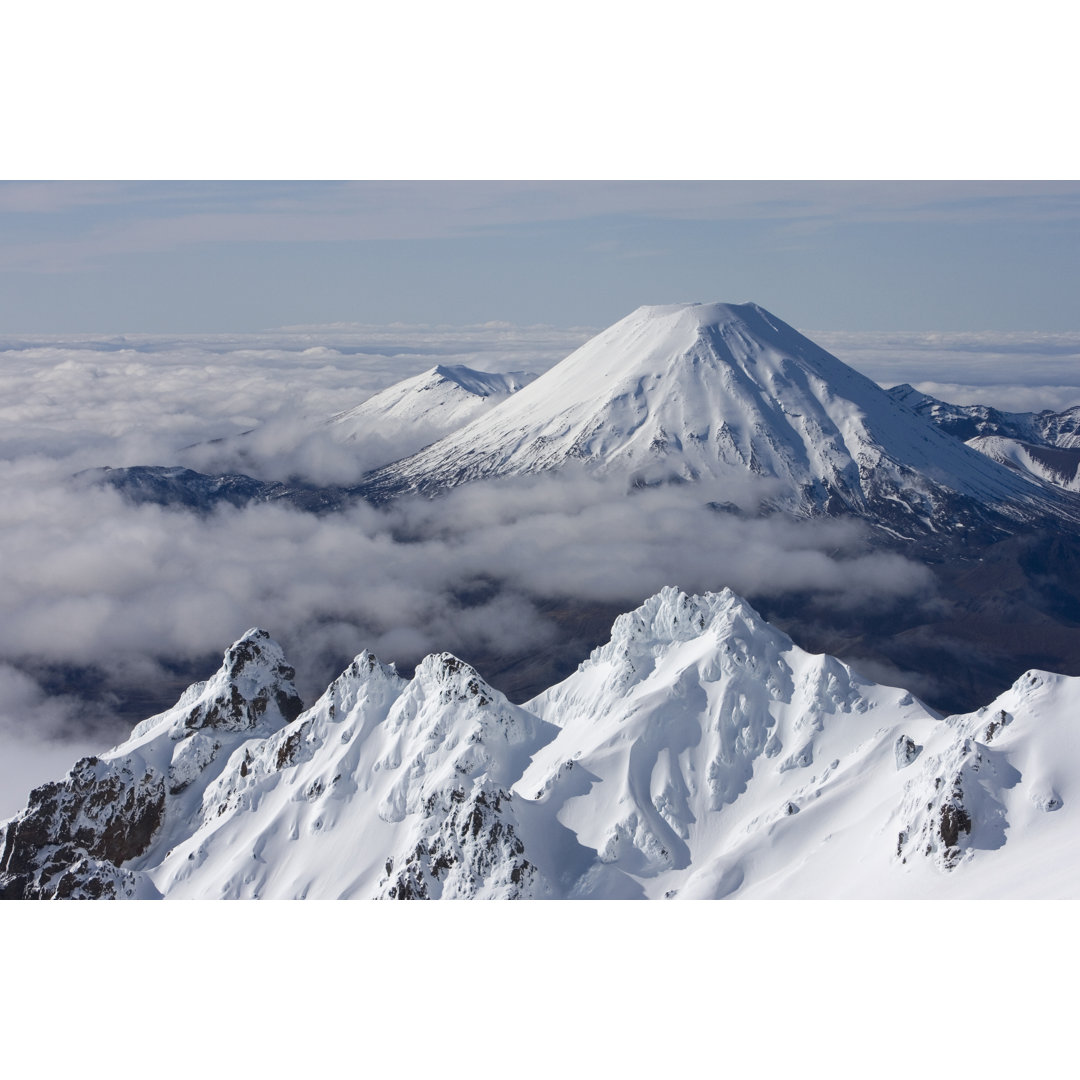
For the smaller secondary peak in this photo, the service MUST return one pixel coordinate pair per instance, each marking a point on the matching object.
(446, 670)
(481, 383)
(255, 646)
(367, 663)
(458, 373)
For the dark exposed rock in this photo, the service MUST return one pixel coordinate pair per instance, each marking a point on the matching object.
(954, 820)
(74, 835)
(202, 493)
(906, 751)
(473, 842)
(1000, 720)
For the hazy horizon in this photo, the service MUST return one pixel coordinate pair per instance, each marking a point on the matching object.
(243, 256)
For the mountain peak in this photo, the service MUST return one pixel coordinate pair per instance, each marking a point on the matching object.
(733, 331)
(481, 384)
(672, 615)
(416, 411)
(253, 646)
(677, 630)
(454, 678)
(253, 688)
(728, 392)
(714, 313)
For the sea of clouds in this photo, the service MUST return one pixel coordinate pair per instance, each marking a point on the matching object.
(89, 582)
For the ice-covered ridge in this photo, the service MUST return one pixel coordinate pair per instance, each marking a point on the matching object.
(698, 753)
(698, 718)
(1046, 428)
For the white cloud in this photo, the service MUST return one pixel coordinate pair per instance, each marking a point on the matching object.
(139, 400)
(91, 580)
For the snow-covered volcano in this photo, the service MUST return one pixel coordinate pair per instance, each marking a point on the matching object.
(722, 391)
(699, 753)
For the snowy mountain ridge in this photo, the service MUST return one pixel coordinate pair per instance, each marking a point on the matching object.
(698, 753)
(1046, 428)
(1045, 445)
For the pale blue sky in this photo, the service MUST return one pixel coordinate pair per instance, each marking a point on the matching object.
(234, 256)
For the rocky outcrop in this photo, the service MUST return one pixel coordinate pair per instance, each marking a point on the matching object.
(74, 835)
(79, 837)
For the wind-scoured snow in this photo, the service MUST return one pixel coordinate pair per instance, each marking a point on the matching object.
(703, 732)
(693, 391)
(698, 754)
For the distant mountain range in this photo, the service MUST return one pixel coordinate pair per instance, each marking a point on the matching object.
(684, 393)
(699, 753)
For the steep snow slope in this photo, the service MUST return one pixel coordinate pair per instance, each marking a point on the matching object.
(700, 737)
(699, 753)
(1056, 466)
(694, 391)
(385, 788)
(428, 406)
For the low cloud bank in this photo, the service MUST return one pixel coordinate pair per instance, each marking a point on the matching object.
(140, 400)
(91, 580)
(287, 447)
